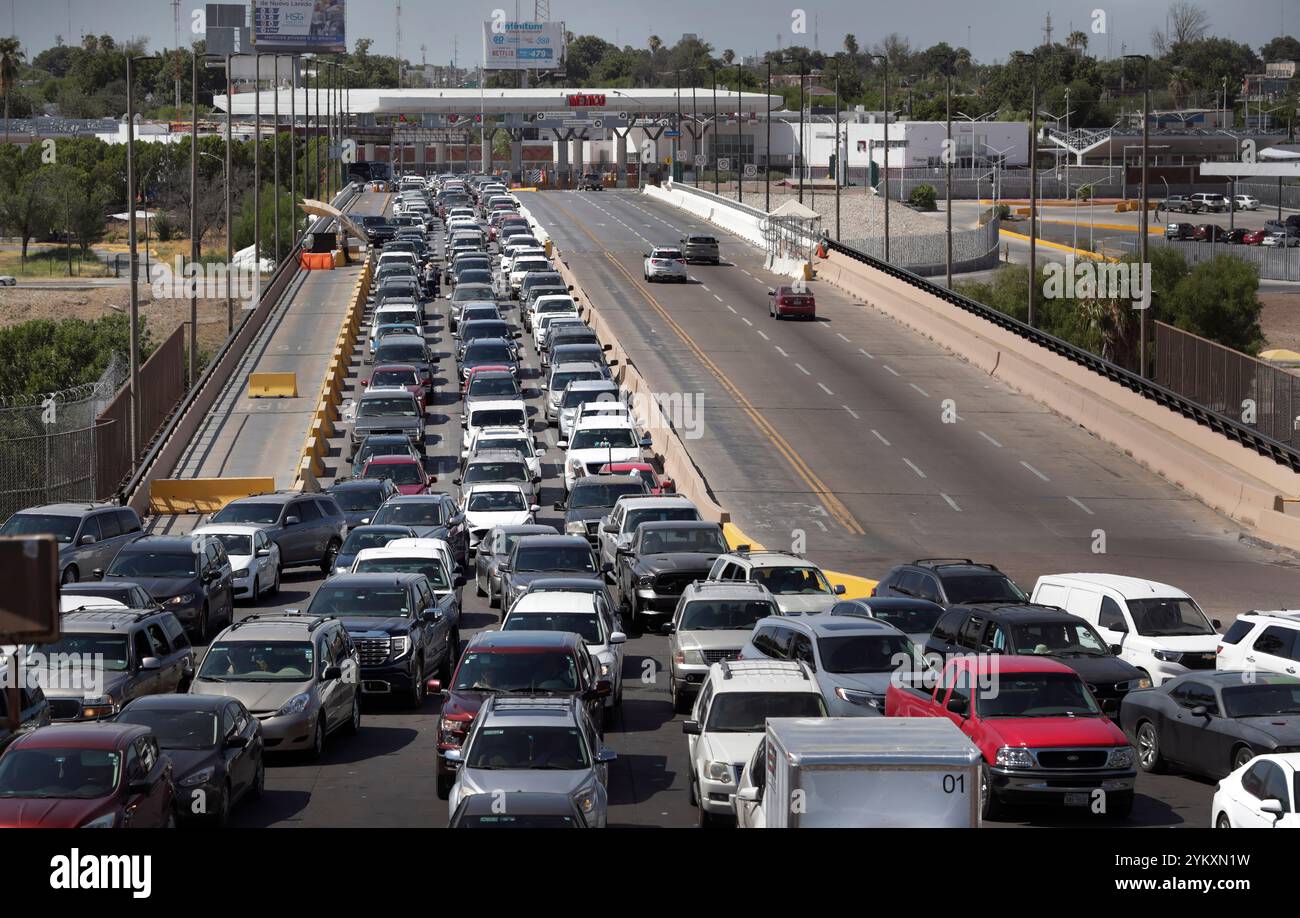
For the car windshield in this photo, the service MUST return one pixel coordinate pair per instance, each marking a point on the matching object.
(964, 588)
(153, 564)
(60, 773)
(575, 397)
(479, 314)
(400, 353)
(791, 581)
(495, 502)
(63, 528)
(518, 444)
(543, 278)
(693, 539)
(560, 380)
(392, 326)
(747, 712)
(71, 647)
(387, 406)
(234, 543)
(603, 438)
(247, 513)
(383, 602)
(560, 307)
(529, 264)
(636, 517)
(554, 558)
(466, 292)
(176, 729)
(475, 276)
(488, 351)
(867, 653)
(366, 537)
(402, 473)
(429, 567)
(584, 624)
(497, 417)
(496, 471)
(391, 379)
(483, 328)
(601, 495)
(353, 500)
(369, 450)
(1169, 617)
(1052, 639)
(581, 352)
(421, 513)
(526, 671)
(909, 621)
(531, 747)
(724, 614)
(254, 661)
(1261, 700)
(1036, 695)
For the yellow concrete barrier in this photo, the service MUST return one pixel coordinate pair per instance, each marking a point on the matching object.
(855, 587)
(202, 495)
(272, 385)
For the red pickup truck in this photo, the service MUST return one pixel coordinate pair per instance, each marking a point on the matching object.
(1043, 736)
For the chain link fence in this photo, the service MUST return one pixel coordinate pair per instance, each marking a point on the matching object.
(48, 442)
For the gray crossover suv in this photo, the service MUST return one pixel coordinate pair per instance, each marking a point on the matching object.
(89, 534)
(309, 528)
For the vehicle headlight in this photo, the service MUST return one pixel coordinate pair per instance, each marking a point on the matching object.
(103, 706)
(604, 670)
(1014, 757)
(399, 645)
(202, 776)
(718, 771)
(577, 527)
(183, 599)
(452, 732)
(1140, 683)
(295, 705)
(862, 698)
(241, 572)
(1167, 656)
(586, 800)
(693, 656)
(645, 583)
(1121, 757)
(107, 821)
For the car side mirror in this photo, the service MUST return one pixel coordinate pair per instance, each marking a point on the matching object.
(562, 444)
(558, 505)
(455, 481)
(691, 727)
(1272, 807)
(87, 539)
(749, 794)
(839, 589)
(1115, 649)
(291, 521)
(365, 382)
(264, 553)
(608, 527)
(607, 568)
(331, 673)
(1200, 710)
(1216, 623)
(151, 663)
(618, 637)
(453, 755)
(604, 688)
(771, 293)
(605, 755)
(139, 787)
(97, 573)
(238, 741)
(540, 453)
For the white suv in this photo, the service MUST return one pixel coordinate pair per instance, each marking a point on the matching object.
(798, 586)
(729, 720)
(1159, 628)
(1268, 641)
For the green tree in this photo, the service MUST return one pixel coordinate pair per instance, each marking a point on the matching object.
(44, 355)
(11, 56)
(923, 197)
(1217, 299)
(27, 209)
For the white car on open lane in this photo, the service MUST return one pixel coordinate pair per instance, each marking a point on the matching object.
(664, 263)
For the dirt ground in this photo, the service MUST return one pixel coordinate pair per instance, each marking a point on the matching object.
(19, 304)
(1280, 319)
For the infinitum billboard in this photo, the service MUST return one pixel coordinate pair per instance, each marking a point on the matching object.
(522, 45)
(300, 25)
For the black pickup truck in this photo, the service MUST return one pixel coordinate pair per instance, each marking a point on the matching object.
(663, 557)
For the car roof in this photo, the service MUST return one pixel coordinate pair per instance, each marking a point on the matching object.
(391, 367)
(371, 579)
(1227, 678)
(1128, 587)
(602, 421)
(276, 626)
(654, 525)
(101, 734)
(768, 559)
(181, 702)
(1016, 612)
(655, 500)
(69, 508)
(724, 589)
(545, 541)
(104, 620)
(362, 484)
(276, 497)
(559, 584)
(224, 529)
(832, 626)
(761, 676)
(592, 385)
(540, 640)
(894, 602)
(164, 543)
(576, 366)
(608, 479)
(554, 601)
(401, 339)
(395, 550)
(512, 486)
(490, 404)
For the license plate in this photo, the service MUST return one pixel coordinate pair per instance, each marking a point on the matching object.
(1076, 799)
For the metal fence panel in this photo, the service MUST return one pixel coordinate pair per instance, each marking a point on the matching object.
(1273, 262)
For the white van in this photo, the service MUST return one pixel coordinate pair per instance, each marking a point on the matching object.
(1159, 628)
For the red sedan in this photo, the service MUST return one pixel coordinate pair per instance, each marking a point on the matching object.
(406, 472)
(645, 471)
(87, 775)
(397, 376)
(787, 301)
(1253, 237)
(469, 377)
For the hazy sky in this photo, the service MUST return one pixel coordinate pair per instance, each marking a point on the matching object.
(994, 26)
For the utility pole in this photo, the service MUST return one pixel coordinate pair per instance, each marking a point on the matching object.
(800, 159)
(838, 163)
(195, 254)
(885, 65)
(230, 230)
(767, 154)
(1033, 185)
(947, 100)
(1146, 136)
(713, 142)
(740, 168)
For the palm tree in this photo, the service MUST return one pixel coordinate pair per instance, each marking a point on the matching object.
(1077, 41)
(728, 56)
(655, 44)
(851, 46)
(11, 55)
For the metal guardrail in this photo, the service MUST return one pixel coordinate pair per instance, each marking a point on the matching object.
(1279, 452)
(276, 287)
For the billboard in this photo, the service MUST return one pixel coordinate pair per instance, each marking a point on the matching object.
(300, 26)
(522, 45)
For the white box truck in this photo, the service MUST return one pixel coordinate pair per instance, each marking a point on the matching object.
(861, 772)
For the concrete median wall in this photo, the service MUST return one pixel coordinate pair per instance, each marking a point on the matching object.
(1232, 479)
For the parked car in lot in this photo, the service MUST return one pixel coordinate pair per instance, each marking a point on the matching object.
(497, 663)
(1177, 203)
(89, 535)
(1235, 236)
(1213, 723)
(1158, 628)
(254, 558)
(1264, 793)
(1265, 641)
(535, 744)
(1245, 202)
(729, 720)
(215, 747)
(664, 263)
(785, 301)
(1181, 231)
(401, 629)
(798, 586)
(1211, 201)
(1042, 734)
(712, 622)
(914, 617)
(193, 581)
(299, 675)
(1253, 237)
(1210, 232)
(309, 528)
(86, 776)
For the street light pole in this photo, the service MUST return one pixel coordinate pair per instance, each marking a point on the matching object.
(293, 151)
(230, 233)
(885, 166)
(275, 155)
(838, 164)
(1146, 136)
(257, 172)
(713, 142)
(1033, 185)
(947, 98)
(194, 210)
(134, 360)
(767, 150)
(740, 162)
(800, 159)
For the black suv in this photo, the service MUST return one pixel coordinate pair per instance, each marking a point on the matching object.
(192, 579)
(948, 581)
(591, 181)
(402, 631)
(1029, 629)
(359, 498)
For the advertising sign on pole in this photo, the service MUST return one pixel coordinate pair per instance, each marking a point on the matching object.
(522, 45)
(312, 26)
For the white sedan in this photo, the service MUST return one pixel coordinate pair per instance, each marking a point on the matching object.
(490, 504)
(1262, 794)
(254, 558)
(663, 263)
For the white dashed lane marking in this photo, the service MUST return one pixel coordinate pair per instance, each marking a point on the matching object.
(880, 437)
(1034, 470)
